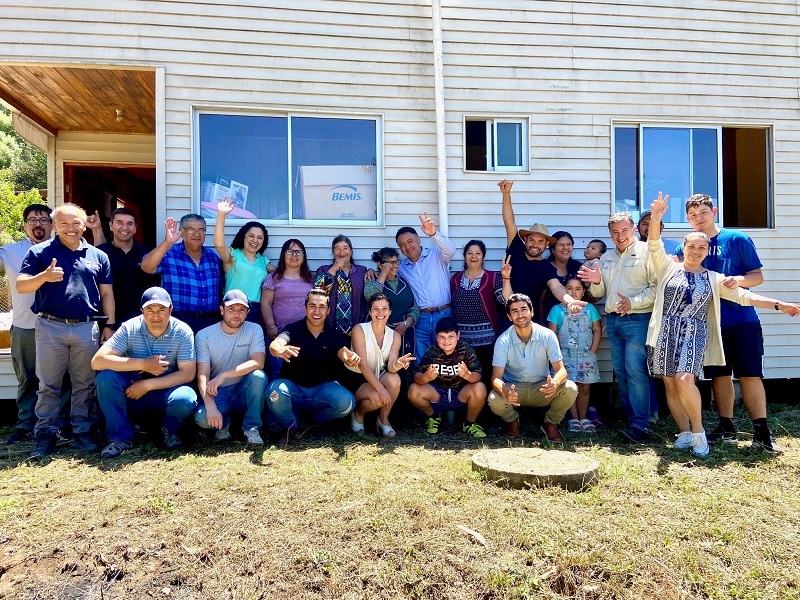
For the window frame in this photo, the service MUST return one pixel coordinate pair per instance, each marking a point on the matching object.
(494, 119)
(640, 126)
(288, 114)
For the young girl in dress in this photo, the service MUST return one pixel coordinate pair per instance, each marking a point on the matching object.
(579, 336)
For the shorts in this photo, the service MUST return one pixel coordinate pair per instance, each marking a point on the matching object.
(448, 398)
(743, 344)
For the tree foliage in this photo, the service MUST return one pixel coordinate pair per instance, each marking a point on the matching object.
(27, 165)
(11, 207)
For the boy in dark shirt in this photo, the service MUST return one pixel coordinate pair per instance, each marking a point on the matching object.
(449, 378)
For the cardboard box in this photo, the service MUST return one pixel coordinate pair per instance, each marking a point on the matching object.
(214, 190)
(338, 192)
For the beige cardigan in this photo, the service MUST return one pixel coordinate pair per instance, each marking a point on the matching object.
(664, 267)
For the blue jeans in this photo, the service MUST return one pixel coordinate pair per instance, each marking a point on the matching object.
(177, 403)
(627, 335)
(327, 401)
(60, 349)
(245, 397)
(426, 331)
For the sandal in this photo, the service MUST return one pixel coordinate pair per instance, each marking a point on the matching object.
(587, 425)
(574, 425)
(355, 426)
(384, 430)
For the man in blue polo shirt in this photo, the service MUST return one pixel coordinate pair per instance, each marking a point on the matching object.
(523, 358)
(146, 365)
(71, 281)
(311, 367)
(190, 272)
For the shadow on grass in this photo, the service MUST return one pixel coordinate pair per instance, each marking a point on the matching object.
(337, 438)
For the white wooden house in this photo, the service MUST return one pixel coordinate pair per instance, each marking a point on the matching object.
(590, 106)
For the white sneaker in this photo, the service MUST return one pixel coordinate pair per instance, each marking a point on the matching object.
(253, 436)
(683, 440)
(222, 435)
(699, 444)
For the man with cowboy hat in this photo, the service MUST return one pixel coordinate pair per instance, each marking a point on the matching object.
(530, 273)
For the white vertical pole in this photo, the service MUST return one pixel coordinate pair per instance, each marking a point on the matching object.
(438, 86)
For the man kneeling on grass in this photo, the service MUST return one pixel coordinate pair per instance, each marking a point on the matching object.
(449, 378)
(230, 359)
(145, 366)
(523, 356)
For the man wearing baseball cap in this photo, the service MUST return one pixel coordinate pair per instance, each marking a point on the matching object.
(147, 364)
(230, 376)
(530, 273)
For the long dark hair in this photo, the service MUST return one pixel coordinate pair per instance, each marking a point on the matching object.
(557, 236)
(305, 272)
(481, 246)
(238, 240)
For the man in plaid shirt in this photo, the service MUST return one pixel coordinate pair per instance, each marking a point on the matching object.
(190, 272)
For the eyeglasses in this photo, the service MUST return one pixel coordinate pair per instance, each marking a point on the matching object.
(192, 231)
(290, 252)
(394, 263)
(40, 220)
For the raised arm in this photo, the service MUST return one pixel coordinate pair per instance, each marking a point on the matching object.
(224, 207)
(446, 248)
(508, 212)
(153, 258)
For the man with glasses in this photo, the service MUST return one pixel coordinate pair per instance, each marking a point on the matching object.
(71, 281)
(190, 272)
(38, 228)
(628, 281)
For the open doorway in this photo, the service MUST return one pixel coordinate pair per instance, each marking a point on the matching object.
(105, 188)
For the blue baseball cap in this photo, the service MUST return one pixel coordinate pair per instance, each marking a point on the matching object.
(156, 295)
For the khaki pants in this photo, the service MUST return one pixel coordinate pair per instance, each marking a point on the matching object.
(530, 395)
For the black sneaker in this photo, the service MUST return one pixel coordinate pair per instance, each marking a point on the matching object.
(634, 434)
(45, 446)
(65, 434)
(85, 442)
(19, 435)
(720, 435)
(767, 445)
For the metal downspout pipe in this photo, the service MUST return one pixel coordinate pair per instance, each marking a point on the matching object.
(438, 89)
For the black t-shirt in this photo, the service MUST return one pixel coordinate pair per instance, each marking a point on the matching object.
(317, 362)
(130, 281)
(529, 277)
(447, 364)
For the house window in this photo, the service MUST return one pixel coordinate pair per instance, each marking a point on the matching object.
(495, 144)
(730, 164)
(290, 168)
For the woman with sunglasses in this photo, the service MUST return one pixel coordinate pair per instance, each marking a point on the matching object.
(405, 311)
(684, 332)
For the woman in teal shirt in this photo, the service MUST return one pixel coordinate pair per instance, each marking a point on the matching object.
(244, 262)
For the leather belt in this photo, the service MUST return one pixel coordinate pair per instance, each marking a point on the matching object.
(435, 309)
(50, 317)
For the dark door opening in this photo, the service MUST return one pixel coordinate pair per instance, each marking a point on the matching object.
(105, 188)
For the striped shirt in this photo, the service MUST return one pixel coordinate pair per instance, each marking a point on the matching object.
(134, 340)
(193, 288)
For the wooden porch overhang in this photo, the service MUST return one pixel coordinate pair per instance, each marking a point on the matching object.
(70, 98)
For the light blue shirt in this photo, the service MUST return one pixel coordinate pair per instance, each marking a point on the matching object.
(134, 340)
(671, 246)
(429, 277)
(526, 363)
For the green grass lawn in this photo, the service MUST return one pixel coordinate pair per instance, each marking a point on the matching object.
(344, 517)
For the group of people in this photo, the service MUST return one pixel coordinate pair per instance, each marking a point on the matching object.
(346, 340)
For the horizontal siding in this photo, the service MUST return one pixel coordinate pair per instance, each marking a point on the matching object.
(8, 380)
(571, 67)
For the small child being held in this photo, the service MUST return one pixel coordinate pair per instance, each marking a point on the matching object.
(594, 250)
(579, 336)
